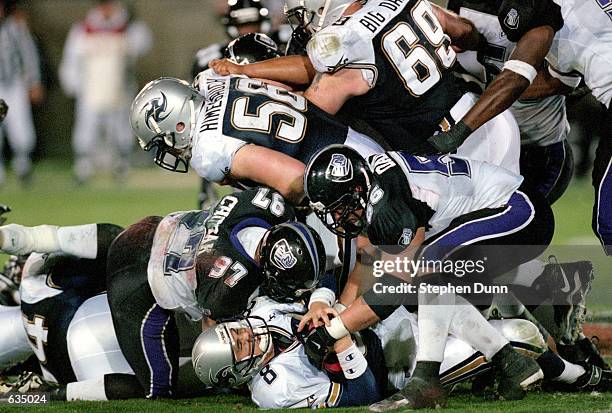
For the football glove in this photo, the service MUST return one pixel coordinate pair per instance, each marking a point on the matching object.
(447, 142)
(317, 345)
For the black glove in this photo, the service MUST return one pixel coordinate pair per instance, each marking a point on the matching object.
(447, 142)
(3, 109)
(317, 344)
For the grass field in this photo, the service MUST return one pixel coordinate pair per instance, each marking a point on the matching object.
(54, 198)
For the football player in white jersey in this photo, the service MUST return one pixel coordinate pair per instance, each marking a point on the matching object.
(443, 203)
(227, 128)
(392, 61)
(264, 350)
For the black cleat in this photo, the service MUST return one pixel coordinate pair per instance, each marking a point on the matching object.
(418, 394)
(516, 373)
(583, 351)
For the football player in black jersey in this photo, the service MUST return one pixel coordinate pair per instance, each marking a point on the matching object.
(204, 265)
(404, 201)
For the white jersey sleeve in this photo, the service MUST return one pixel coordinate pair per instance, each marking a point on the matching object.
(336, 47)
(212, 151)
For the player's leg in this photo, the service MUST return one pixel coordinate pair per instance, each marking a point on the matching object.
(602, 182)
(20, 127)
(14, 343)
(146, 332)
(84, 137)
(497, 142)
(118, 129)
(83, 241)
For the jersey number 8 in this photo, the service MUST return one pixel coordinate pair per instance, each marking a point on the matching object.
(411, 60)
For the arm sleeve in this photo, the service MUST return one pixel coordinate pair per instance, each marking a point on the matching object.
(140, 39)
(360, 391)
(517, 17)
(69, 68)
(29, 54)
(213, 158)
(337, 47)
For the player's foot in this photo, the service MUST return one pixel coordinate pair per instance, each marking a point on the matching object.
(569, 283)
(594, 379)
(29, 382)
(583, 351)
(418, 394)
(516, 373)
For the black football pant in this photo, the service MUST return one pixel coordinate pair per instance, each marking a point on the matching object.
(549, 169)
(146, 332)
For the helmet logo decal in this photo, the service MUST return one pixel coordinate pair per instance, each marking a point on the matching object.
(406, 237)
(512, 19)
(282, 257)
(340, 169)
(155, 110)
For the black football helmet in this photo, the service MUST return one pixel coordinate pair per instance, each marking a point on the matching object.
(292, 258)
(241, 12)
(337, 181)
(251, 48)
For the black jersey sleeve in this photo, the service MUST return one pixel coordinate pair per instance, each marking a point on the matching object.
(517, 17)
(393, 215)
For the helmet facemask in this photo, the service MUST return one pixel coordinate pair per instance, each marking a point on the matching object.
(345, 217)
(248, 362)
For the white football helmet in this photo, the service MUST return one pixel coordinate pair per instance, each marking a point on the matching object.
(314, 15)
(163, 116)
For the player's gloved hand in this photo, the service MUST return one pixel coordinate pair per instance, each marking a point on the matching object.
(224, 67)
(317, 345)
(447, 142)
(3, 109)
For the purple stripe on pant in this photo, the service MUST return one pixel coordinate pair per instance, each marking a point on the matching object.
(517, 215)
(152, 337)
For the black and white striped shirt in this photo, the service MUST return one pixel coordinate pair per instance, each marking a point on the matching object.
(18, 53)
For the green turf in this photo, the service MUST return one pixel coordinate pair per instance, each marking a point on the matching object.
(54, 198)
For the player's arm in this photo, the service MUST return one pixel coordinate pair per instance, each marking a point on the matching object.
(293, 70)
(533, 28)
(549, 82)
(271, 168)
(463, 33)
(330, 91)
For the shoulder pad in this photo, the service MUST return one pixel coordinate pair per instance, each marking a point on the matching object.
(335, 47)
(517, 17)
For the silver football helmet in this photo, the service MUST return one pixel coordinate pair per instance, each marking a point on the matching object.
(231, 353)
(314, 15)
(163, 116)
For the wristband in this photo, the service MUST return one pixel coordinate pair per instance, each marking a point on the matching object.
(337, 329)
(352, 361)
(522, 68)
(322, 295)
(339, 307)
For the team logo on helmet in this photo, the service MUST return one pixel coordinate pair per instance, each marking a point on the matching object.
(340, 169)
(406, 237)
(265, 40)
(282, 257)
(155, 110)
(512, 19)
